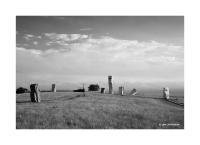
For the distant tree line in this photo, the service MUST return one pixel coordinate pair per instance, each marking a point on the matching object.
(21, 90)
(93, 87)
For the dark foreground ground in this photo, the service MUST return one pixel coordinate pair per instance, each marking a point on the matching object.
(63, 110)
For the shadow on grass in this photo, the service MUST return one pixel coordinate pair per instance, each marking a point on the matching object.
(23, 101)
(169, 102)
(64, 98)
(140, 96)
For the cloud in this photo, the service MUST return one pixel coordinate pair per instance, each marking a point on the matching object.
(31, 36)
(65, 37)
(35, 43)
(40, 53)
(28, 36)
(111, 49)
(89, 58)
(29, 51)
(115, 50)
(133, 50)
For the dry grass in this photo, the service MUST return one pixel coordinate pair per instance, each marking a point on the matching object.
(63, 110)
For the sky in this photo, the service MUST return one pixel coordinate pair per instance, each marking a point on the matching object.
(138, 51)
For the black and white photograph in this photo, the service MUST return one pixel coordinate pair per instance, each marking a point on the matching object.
(99, 72)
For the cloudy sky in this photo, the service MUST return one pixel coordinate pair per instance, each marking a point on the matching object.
(144, 51)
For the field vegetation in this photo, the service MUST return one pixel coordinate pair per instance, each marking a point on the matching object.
(73, 110)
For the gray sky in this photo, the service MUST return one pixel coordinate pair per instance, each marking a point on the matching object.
(147, 51)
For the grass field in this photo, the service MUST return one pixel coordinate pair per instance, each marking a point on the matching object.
(70, 110)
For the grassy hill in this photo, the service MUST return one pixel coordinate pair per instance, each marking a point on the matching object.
(64, 110)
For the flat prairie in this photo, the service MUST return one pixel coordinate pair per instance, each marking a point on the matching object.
(73, 110)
